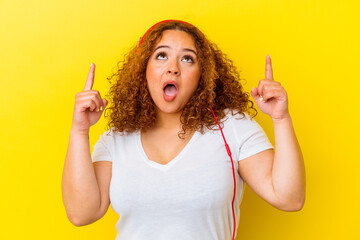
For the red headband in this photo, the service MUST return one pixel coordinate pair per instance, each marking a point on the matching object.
(151, 28)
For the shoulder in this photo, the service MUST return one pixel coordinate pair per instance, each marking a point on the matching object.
(242, 126)
(239, 119)
(111, 136)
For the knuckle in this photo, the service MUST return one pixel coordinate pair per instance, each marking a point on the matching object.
(93, 97)
(98, 94)
(93, 91)
(89, 102)
(269, 93)
(94, 101)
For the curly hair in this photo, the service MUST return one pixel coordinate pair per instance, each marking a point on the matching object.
(131, 107)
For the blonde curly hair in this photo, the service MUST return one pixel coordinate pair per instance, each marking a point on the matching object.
(131, 107)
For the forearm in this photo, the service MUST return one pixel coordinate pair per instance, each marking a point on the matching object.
(80, 191)
(288, 173)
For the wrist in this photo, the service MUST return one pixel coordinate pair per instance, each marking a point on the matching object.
(79, 132)
(283, 119)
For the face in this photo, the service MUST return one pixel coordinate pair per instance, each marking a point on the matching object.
(173, 71)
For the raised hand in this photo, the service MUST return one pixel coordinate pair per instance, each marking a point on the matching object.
(88, 106)
(270, 96)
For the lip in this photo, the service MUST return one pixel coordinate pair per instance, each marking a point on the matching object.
(170, 82)
(170, 98)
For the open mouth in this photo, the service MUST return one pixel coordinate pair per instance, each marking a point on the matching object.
(170, 90)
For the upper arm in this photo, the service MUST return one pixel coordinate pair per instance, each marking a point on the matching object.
(256, 171)
(103, 172)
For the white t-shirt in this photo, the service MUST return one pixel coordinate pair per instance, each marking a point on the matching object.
(190, 197)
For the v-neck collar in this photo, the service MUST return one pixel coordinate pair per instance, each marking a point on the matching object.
(164, 167)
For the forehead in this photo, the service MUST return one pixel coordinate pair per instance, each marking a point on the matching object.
(176, 38)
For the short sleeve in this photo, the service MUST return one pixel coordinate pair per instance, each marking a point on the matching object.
(101, 151)
(251, 137)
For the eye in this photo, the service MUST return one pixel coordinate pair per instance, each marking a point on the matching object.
(161, 55)
(189, 59)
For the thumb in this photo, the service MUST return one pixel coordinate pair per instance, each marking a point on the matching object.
(105, 103)
(255, 93)
(256, 96)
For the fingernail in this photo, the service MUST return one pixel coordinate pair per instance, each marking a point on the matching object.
(91, 64)
(97, 110)
(101, 108)
(261, 98)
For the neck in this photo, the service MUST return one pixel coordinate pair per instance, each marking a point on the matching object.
(168, 121)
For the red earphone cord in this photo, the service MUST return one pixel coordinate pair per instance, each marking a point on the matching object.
(232, 165)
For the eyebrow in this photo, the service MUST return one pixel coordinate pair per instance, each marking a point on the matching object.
(184, 49)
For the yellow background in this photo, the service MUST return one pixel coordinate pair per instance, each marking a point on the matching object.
(46, 48)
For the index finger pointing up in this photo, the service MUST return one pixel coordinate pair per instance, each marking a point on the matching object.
(90, 78)
(268, 68)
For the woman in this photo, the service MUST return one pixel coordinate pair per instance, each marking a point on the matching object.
(164, 162)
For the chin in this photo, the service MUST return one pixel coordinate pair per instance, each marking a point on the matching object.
(169, 108)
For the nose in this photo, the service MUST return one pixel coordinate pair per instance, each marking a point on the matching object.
(173, 67)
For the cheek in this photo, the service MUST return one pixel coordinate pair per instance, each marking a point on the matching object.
(194, 78)
(153, 78)
(153, 73)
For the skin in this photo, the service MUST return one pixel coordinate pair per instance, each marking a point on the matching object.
(276, 176)
(177, 61)
(174, 58)
(85, 186)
